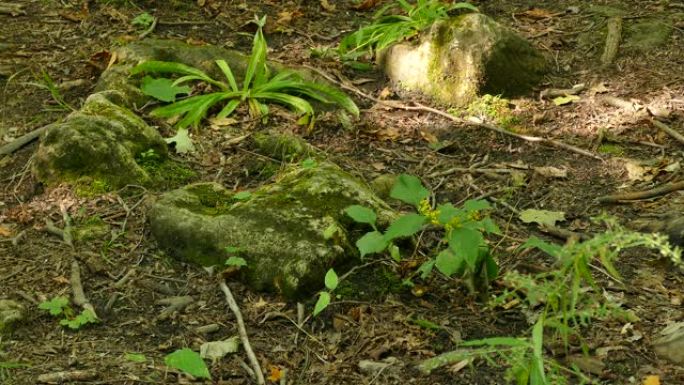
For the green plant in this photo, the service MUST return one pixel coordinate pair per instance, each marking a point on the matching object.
(287, 87)
(388, 29)
(49, 85)
(568, 292)
(59, 306)
(331, 281)
(189, 362)
(464, 250)
(143, 20)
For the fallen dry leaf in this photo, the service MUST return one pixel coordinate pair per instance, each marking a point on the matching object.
(5, 231)
(327, 6)
(276, 374)
(551, 172)
(538, 13)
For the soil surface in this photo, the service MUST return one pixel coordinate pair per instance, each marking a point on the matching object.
(64, 45)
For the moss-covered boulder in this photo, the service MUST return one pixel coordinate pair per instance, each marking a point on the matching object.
(461, 58)
(11, 314)
(100, 143)
(289, 232)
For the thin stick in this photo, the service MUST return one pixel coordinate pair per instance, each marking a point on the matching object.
(613, 38)
(654, 192)
(470, 122)
(77, 287)
(243, 333)
(670, 131)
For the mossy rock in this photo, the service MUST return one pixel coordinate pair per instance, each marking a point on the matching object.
(289, 232)
(283, 146)
(100, 142)
(460, 58)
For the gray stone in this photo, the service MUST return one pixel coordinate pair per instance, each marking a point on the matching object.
(283, 230)
(671, 343)
(99, 142)
(11, 314)
(461, 58)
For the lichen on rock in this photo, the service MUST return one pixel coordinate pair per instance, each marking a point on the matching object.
(461, 58)
(99, 142)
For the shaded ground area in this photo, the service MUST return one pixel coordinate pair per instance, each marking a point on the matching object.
(69, 42)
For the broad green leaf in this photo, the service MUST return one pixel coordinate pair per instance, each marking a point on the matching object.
(162, 89)
(426, 324)
(449, 263)
(409, 189)
(182, 140)
(361, 214)
(465, 243)
(476, 205)
(551, 249)
(298, 104)
(135, 357)
(405, 226)
(242, 196)
(489, 226)
(236, 261)
(322, 303)
(55, 306)
(372, 242)
(447, 212)
(188, 362)
(542, 217)
(331, 280)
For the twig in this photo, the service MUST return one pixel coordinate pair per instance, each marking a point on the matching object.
(654, 192)
(243, 333)
(174, 304)
(613, 38)
(54, 230)
(670, 131)
(21, 141)
(454, 170)
(150, 29)
(12, 9)
(63, 377)
(555, 92)
(470, 122)
(77, 287)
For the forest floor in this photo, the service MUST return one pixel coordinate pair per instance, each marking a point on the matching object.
(71, 42)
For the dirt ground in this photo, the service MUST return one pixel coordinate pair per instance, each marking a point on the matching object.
(70, 41)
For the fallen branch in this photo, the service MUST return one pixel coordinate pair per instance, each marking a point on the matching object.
(470, 122)
(77, 287)
(22, 141)
(62, 377)
(555, 92)
(613, 38)
(243, 333)
(637, 195)
(65, 234)
(668, 130)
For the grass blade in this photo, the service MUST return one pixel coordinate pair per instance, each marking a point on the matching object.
(225, 68)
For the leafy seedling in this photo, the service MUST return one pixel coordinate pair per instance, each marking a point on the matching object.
(258, 88)
(331, 281)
